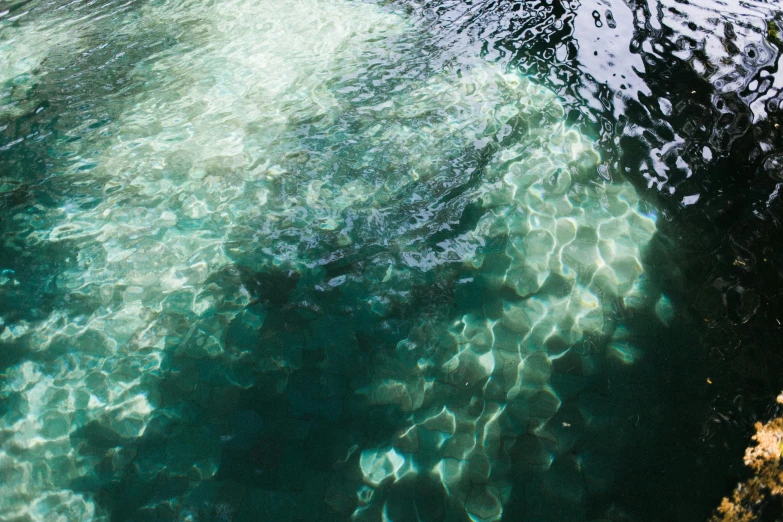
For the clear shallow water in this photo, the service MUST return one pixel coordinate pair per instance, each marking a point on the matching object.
(335, 260)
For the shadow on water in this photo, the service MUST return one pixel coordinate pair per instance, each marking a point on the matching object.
(283, 446)
(239, 438)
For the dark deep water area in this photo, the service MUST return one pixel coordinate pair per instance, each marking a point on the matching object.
(409, 261)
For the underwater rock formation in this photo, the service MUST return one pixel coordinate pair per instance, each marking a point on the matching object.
(288, 138)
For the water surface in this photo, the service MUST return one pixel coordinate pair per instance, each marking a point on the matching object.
(287, 260)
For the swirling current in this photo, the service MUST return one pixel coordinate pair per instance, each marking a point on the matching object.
(407, 260)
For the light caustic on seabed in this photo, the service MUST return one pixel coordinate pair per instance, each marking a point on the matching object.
(269, 126)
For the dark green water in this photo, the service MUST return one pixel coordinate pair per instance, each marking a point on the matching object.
(334, 260)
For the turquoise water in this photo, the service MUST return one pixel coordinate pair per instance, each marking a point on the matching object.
(307, 260)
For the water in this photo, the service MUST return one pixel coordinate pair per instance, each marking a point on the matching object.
(336, 260)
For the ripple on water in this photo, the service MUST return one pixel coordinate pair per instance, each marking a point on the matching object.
(286, 141)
